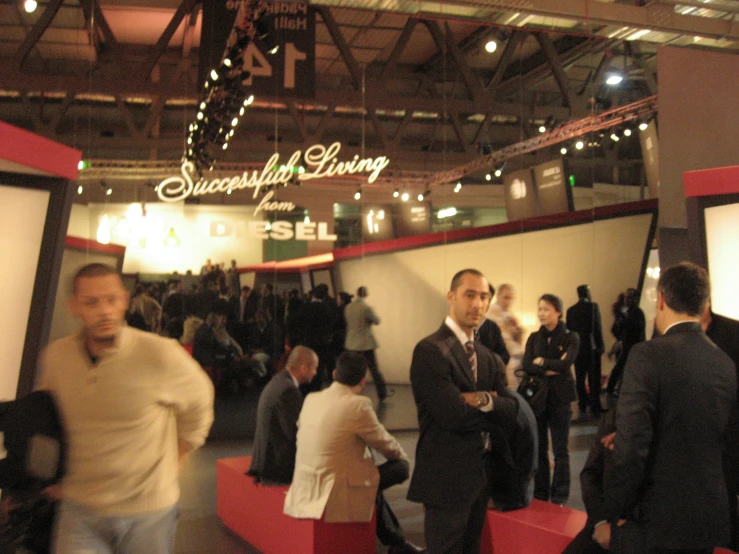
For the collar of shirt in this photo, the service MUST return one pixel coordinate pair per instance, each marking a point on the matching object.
(695, 320)
(463, 337)
(295, 381)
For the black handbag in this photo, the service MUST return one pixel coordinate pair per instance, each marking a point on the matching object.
(534, 390)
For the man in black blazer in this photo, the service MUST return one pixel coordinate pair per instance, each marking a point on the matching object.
(273, 456)
(455, 408)
(678, 391)
(584, 319)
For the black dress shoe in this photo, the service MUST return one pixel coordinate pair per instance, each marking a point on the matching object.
(405, 548)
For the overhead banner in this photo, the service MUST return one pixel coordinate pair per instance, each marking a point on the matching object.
(555, 196)
(290, 71)
(520, 196)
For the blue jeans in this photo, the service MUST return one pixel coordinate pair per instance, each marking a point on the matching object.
(81, 531)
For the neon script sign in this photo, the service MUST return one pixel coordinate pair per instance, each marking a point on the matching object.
(321, 162)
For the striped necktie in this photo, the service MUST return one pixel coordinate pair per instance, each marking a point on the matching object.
(472, 358)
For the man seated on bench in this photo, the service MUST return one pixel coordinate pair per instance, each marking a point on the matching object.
(335, 476)
(273, 456)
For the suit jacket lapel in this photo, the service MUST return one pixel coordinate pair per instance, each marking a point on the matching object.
(457, 355)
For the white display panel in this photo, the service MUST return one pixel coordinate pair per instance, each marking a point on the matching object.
(722, 246)
(22, 220)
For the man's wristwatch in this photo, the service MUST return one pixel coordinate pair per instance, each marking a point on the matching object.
(482, 399)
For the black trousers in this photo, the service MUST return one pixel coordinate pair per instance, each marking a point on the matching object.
(587, 365)
(456, 531)
(555, 419)
(377, 376)
(388, 530)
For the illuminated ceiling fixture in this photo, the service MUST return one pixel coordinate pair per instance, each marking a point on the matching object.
(108, 192)
(396, 193)
(274, 50)
(172, 240)
(420, 197)
(563, 150)
(249, 100)
(306, 219)
(214, 74)
(80, 189)
(30, 6)
(458, 186)
(103, 232)
(542, 129)
(614, 79)
(499, 172)
(80, 165)
(446, 212)
(579, 145)
(268, 227)
(627, 132)
(491, 46)
(643, 126)
(488, 177)
(405, 196)
(614, 137)
(358, 194)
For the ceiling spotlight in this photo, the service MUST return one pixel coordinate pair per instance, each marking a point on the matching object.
(579, 145)
(542, 129)
(200, 115)
(498, 172)
(249, 100)
(405, 196)
(420, 197)
(491, 46)
(396, 193)
(80, 189)
(614, 137)
(214, 74)
(643, 126)
(234, 122)
(227, 62)
(108, 192)
(614, 79)
(30, 6)
(202, 105)
(228, 191)
(358, 194)
(225, 145)
(563, 150)
(274, 50)
(458, 186)
(627, 132)
(242, 110)
(488, 177)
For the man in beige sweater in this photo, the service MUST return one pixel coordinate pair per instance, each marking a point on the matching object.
(133, 405)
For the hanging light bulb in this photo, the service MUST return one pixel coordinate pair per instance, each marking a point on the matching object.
(108, 192)
(234, 122)
(358, 194)
(643, 126)
(627, 132)
(80, 189)
(458, 186)
(396, 193)
(405, 197)
(563, 150)
(488, 177)
(420, 197)
(579, 145)
(249, 100)
(498, 172)
(491, 46)
(172, 240)
(30, 6)
(542, 129)
(214, 74)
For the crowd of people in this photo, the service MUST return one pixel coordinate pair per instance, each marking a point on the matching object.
(662, 477)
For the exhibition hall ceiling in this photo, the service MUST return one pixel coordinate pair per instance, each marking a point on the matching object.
(410, 80)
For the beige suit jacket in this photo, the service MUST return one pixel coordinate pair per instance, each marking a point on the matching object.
(335, 475)
(360, 318)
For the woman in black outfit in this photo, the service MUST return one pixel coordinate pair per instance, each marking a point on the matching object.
(550, 352)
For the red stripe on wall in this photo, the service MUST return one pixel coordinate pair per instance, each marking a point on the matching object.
(94, 246)
(38, 153)
(711, 182)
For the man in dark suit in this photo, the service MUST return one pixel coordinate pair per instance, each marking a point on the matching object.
(317, 320)
(455, 385)
(584, 319)
(273, 456)
(724, 332)
(677, 394)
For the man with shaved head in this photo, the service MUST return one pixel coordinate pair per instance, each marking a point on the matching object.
(273, 458)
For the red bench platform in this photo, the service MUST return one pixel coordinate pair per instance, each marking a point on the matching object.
(254, 512)
(540, 528)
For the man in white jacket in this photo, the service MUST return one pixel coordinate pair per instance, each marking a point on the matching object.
(335, 476)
